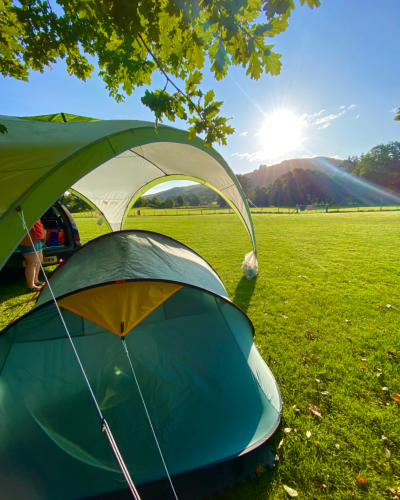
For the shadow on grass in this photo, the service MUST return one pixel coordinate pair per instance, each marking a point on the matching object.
(243, 293)
(15, 300)
(12, 284)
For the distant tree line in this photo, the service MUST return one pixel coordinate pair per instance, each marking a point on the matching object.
(209, 197)
(74, 203)
(380, 166)
(191, 200)
(303, 187)
(154, 203)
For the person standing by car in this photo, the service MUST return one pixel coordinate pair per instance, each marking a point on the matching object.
(28, 251)
(40, 238)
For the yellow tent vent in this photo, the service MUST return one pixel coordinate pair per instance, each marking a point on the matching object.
(122, 303)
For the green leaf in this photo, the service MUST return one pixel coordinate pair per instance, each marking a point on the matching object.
(195, 55)
(273, 64)
(254, 69)
(311, 3)
(278, 26)
(261, 29)
(193, 80)
(3, 129)
(254, 4)
(208, 98)
(277, 7)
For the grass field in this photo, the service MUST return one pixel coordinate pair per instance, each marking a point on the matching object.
(322, 321)
(161, 212)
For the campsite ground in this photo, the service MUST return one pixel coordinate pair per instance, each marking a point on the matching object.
(320, 307)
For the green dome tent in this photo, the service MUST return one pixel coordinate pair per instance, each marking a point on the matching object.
(109, 163)
(210, 396)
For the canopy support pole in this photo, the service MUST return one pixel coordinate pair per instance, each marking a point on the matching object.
(104, 425)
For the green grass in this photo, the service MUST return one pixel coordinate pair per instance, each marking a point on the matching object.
(360, 253)
(215, 210)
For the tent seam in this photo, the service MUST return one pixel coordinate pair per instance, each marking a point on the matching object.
(144, 158)
(151, 310)
(111, 146)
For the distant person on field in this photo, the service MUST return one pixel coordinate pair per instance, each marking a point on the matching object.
(36, 238)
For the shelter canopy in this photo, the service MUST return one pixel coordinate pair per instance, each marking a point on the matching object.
(110, 163)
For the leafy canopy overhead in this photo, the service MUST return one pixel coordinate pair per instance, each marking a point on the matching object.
(132, 39)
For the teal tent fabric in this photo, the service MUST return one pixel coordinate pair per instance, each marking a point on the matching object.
(134, 255)
(209, 393)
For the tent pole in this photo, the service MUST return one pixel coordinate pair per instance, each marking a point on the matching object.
(125, 472)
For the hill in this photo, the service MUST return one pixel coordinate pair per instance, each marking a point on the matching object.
(264, 176)
(176, 191)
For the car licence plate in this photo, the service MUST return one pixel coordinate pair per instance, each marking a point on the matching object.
(46, 260)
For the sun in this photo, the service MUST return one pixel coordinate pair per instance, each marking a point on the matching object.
(281, 133)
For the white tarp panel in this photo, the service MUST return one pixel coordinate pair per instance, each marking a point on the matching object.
(112, 186)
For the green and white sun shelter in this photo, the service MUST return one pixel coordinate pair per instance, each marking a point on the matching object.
(209, 394)
(109, 163)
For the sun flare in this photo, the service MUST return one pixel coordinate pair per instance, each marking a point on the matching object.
(281, 133)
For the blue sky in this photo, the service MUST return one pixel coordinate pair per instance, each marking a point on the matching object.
(339, 82)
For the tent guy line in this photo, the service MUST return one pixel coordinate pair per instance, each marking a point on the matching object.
(148, 417)
(104, 425)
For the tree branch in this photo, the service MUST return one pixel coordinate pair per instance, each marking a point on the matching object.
(166, 75)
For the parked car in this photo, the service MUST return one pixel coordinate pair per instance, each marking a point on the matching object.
(62, 238)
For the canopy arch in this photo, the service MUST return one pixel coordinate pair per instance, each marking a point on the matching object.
(108, 162)
(149, 186)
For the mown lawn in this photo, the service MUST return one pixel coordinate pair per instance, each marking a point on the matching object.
(320, 307)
